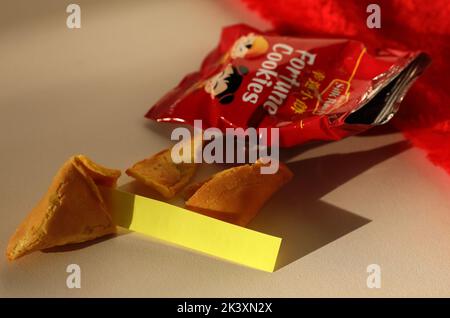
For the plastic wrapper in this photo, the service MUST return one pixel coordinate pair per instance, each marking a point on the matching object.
(311, 89)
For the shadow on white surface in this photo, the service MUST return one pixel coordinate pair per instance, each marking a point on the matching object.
(297, 213)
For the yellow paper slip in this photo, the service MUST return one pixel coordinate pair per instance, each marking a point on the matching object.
(192, 230)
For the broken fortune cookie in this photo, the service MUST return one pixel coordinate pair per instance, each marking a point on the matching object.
(237, 194)
(72, 210)
(162, 174)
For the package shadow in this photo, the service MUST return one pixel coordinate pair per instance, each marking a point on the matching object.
(297, 214)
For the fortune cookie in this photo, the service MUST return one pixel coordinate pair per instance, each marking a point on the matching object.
(71, 211)
(237, 194)
(161, 173)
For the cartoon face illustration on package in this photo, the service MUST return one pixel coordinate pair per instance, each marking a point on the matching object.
(249, 46)
(224, 84)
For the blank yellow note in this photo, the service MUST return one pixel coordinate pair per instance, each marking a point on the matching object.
(192, 230)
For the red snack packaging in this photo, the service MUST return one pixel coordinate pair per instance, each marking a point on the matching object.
(311, 89)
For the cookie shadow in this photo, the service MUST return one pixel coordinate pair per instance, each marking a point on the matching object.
(299, 216)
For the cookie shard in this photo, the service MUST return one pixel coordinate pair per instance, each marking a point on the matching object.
(162, 174)
(72, 210)
(99, 174)
(236, 195)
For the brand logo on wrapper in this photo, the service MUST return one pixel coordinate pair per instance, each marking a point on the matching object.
(236, 146)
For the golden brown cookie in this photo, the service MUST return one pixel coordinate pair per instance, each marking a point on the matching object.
(161, 173)
(236, 195)
(71, 211)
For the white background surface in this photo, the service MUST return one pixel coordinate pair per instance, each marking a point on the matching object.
(364, 200)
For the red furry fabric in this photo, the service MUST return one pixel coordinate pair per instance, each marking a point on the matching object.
(424, 117)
